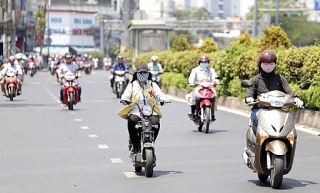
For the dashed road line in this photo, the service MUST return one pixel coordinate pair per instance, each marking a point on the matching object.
(116, 160)
(78, 120)
(93, 136)
(84, 127)
(103, 146)
(131, 174)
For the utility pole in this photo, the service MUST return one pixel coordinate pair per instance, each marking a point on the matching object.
(277, 13)
(255, 18)
(48, 29)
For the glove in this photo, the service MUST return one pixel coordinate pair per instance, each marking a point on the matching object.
(249, 100)
(298, 102)
(166, 100)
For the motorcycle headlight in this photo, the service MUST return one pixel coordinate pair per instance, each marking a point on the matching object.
(147, 110)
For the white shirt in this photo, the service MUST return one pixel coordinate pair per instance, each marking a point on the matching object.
(197, 74)
(64, 68)
(16, 69)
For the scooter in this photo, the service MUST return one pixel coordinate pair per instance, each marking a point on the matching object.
(156, 77)
(271, 144)
(11, 85)
(70, 90)
(119, 82)
(146, 156)
(206, 96)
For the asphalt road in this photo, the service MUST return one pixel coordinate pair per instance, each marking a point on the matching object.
(46, 148)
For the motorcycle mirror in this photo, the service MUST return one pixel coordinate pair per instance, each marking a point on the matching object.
(304, 86)
(246, 84)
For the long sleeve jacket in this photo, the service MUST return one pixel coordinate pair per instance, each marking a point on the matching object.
(264, 82)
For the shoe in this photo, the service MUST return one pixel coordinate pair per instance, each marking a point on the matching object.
(135, 148)
(191, 116)
(213, 118)
(19, 93)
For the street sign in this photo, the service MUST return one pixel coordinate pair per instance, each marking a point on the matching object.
(316, 4)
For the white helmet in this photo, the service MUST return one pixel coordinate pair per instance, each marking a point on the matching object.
(154, 58)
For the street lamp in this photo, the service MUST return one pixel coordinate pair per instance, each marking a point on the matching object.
(49, 40)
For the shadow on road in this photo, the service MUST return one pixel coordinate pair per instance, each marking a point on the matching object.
(287, 183)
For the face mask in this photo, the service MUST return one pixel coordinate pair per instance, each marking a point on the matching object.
(268, 67)
(204, 65)
(142, 76)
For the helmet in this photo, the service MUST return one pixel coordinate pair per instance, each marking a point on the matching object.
(19, 57)
(267, 56)
(120, 59)
(85, 55)
(11, 58)
(68, 55)
(203, 58)
(154, 58)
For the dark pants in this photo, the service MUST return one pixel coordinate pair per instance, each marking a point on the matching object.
(133, 132)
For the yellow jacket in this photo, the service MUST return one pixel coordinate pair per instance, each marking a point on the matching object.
(133, 93)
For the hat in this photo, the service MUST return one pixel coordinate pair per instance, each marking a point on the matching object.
(141, 68)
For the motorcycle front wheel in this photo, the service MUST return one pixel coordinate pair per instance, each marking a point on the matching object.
(206, 120)
(149, 163)
(71, 101)
(276, 173)
(11, 93)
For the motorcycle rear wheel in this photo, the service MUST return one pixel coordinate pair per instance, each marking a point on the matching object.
(71, 101)
(149, 163)
(263, 177)
(138, 168)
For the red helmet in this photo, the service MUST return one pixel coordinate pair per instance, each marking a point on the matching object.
(267, 56)
(203, 58)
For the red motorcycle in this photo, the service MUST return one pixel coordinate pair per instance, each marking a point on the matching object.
(11, 85)
(206, 96)
(70, 90)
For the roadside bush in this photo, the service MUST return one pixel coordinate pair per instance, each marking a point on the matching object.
(208, 46)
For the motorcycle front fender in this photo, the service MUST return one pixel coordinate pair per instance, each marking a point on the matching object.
(205, 102)
(277, 147)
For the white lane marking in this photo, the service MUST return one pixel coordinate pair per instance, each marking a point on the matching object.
(93, 136)
(84, 127)
(131, 174)
(78, 120)
(53, 97)
(116, 160)
(103, 146)
(239, 112)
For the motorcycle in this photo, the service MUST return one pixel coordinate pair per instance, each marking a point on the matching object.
(271, 145)
(207, 97)
(146, 156)
(119, 82)
(156, 77)
(70, 90)
(107, 65)
(32, 68)
(53, 68)
(11, 85)
(87, 67)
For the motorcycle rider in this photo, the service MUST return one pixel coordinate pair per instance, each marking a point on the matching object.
(154, 65)
(68, 66)
(107, 61)
(118, 66)
(141, 91)
(200, 72)
(267, 80)
(14, 67)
